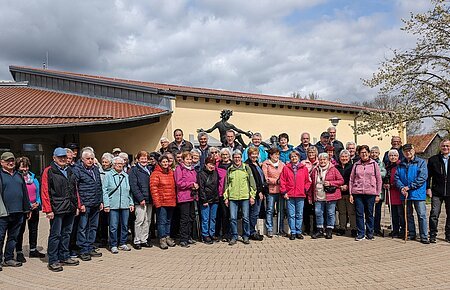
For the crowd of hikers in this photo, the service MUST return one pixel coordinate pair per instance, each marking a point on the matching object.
(182, 194)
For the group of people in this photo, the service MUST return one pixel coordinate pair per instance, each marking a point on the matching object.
(201, 193)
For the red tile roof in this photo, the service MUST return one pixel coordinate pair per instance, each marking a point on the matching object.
(421, 142)
(210, 92)
(30, 107)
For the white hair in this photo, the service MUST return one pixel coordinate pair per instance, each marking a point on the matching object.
(350, 143)
(256, 135)
(117, 158)
(225, 150)
(237, 152)
(393, 152)
(86, 153)
(108, 156)
(343, 152)
(163, 139)
(323, 155)
(375, 148)
(123, 155)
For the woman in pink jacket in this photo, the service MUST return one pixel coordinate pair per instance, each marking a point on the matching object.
(365, 186)
(272, 168)
(186, 185)
(294, 183)
(325, 191)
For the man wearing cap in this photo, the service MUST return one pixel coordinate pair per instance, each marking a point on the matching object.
(13, 193)
(338, 146)
(179, 144)
(116, 151)
(324, 141)
(411, 179)
(60, 204)
(89, 186)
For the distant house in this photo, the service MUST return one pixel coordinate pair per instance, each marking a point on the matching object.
(426, 145)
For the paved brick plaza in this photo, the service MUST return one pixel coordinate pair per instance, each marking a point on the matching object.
(272, 263)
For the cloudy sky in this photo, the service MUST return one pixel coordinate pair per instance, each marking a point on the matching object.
(321, 46)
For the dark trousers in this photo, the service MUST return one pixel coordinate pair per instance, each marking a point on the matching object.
(59, 238)
(436, 204)
(73, 235)
(398, 220)
(187, 216)
(175, 223)
(87, 229)
(33, 224)
(308, 211)
(223, 220)
(102, 231)
(377, 217)
(9, 225)
(364, 204)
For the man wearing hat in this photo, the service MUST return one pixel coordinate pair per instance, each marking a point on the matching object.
(60, 205)
(324, 141)
(116, 151)
(411, 179)
(13, 193)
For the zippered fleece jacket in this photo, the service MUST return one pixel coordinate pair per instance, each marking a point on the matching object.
(239, 183)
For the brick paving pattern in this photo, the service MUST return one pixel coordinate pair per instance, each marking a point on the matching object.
(279, 263)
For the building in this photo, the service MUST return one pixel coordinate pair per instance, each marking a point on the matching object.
(426, 145)
(47, 108)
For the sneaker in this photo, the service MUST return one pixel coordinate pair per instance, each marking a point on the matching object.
(359, 238)
(184, 244)
(232, 242)
(370, 238)
(425, 242)
(328, 233)
(73, 254)
(20, 257)
(246, 240)
(114, 250)
(85, 257)
(36, 254)
(256, 237)
(292, 237)
(55, 267)
(95, 254)
(318, 234)
(191, 241)
(170, 242)
(433, 240)
(163, 244)
(137, 246)
(270, 234)
(299, 236)
(207, 240)
(147, 245)
(70, 262)
(124, 248)
(12, 263)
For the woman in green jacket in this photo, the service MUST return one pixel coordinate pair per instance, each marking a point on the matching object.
(240, 191)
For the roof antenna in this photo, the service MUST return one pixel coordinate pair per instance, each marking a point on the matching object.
(45, 63)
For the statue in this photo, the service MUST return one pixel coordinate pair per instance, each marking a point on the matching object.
(224, 126)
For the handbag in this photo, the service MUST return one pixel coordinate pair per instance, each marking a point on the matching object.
(330, 189)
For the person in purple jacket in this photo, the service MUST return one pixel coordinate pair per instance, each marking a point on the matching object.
(186, 186)
(365, 187)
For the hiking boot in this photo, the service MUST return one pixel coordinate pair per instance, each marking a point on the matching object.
(137, 246)
(124, 248)
(85, 257)
(246, 240)
(340, 232)
(36, 254)
(207, 240)
(270, 234)
(425, 242)
(55, 267)
(433, 240)
(170, 242)
(20, 257)
(299, 236)
(114, 250)
(292, 237)
(256, 237)
(12, 263)
(95, 254)
(70, 262)
(232, 242)
(318, 234)
(147, 245)
(184, 244)
(328, 234)
(163, 244)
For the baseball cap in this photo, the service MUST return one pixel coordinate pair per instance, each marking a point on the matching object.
(325, 135)
(407, 147)
(117, 149)
(7, 155)
(59, 152)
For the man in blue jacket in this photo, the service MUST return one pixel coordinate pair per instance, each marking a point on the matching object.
(90, 191)
(411, 179)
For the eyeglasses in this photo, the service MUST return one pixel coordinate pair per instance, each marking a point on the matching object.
(215, 152)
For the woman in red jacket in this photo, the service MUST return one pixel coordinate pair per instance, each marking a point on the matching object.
(162, 188)
(325, 191)
(294, 183)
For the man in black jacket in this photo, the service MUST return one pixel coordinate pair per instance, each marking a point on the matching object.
(438, 188)
(60, 205)
(16, 202)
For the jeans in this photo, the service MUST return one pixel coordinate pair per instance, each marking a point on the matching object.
(234, 206)
(223, 219)
(330, 208)
(118, 217)
(164, 217)
(87, 229)
(254, 215)
(436, 204)
(209, 214)
(142, 223)
(421, 211)
(346, 209)
(9, 224)
(271, 199)
(295, 214)
(33, 223)
(58, 240)
(398, 220)
(364, 204)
